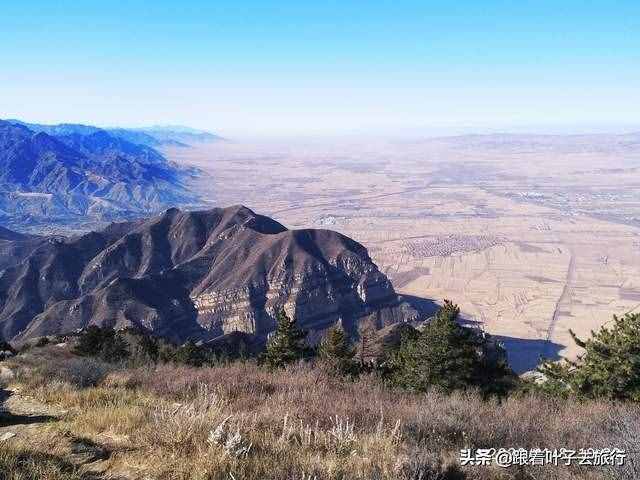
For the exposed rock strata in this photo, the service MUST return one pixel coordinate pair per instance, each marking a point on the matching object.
(193, 275)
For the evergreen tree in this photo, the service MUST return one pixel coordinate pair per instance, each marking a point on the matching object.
(92, 339)
(609, 367)
(145, 349)
(336, 352)
(448, 356)
(287, 343)
(114, 350)
(6, 350)
(190, 354)
(366, 351)
(102, 342)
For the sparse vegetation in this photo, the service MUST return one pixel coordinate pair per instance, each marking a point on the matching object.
(174, 417)
(23, 464)
(246, 421)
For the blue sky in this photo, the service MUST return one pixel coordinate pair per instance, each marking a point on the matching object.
(293, 67)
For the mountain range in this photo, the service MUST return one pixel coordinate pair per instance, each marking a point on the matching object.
(196, 275)
(70, 175)
(154, 136)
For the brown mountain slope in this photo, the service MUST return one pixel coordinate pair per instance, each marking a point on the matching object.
(193, 275)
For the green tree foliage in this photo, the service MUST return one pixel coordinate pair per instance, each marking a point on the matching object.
(101, 342)
(287, 343)
(450, 357)
(336, 353)
(139, 348)
(609, 367)
(191, 354)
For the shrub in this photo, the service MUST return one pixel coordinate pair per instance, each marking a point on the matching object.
(287, 343)
(609, 367)
(80, 372)
(136, 348)
(6, 350)
(46, 365)
(366, 351)
(103, 343)
(191, 354)
(336, 353)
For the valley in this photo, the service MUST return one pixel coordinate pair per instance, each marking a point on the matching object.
(531, 235)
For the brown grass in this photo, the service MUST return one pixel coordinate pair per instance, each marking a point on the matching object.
(303, 424)
(24, 464)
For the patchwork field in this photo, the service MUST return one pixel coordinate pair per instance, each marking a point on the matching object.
(530, 235)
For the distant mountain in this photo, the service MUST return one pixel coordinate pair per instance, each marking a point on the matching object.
(192, 275)
(70, 173)
(180, 135)
(155, 136)
(103, 144)
(59, 129)
(517, 142)
(141, 138)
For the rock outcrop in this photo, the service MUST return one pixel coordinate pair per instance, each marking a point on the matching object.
(191, 275)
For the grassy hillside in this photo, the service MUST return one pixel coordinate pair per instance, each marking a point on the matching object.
(241, 421)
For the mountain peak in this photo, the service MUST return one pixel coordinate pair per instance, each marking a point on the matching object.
(194, 274)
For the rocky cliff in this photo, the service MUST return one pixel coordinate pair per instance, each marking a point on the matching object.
(191, 275)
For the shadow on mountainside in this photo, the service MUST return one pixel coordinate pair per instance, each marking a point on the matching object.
(424, 306)
(525, 354)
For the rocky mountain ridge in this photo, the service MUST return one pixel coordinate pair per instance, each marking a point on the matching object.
(191, 275)
(81, 175)
(154, 136)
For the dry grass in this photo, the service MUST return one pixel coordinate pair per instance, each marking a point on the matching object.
(243, 422)
(19, 464)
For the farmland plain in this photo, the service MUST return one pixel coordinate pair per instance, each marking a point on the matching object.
(531, 235)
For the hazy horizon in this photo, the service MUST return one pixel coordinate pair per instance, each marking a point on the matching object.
(409, 134)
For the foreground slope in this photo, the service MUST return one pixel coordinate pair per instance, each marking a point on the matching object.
(193, 275)
(166, 422)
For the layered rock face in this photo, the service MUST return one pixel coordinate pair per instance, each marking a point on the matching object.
(191, 275)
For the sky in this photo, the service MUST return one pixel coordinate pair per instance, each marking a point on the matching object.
(246, 68)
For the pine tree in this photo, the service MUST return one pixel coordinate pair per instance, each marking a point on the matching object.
(336, 353)
(191, 354)
(443, 354)
(92, 340)
(448, 356)
(609, 367)
(103, 342)
(287, 343)
(366, 350)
